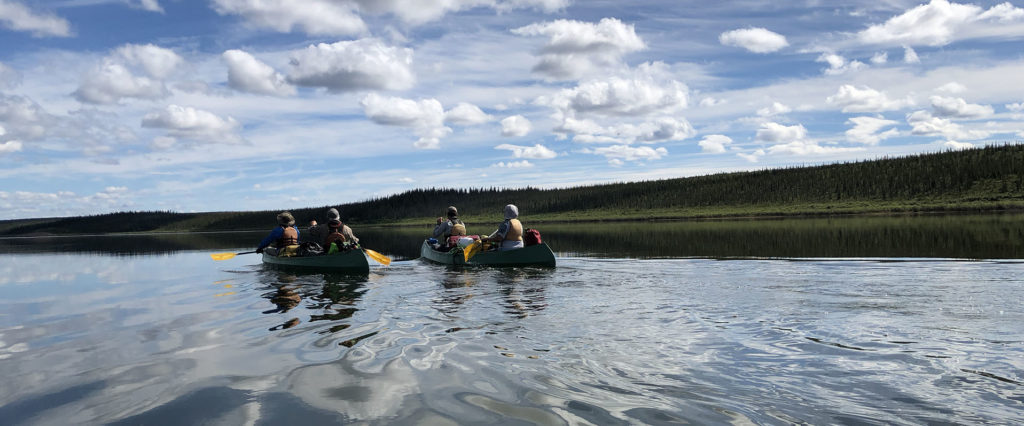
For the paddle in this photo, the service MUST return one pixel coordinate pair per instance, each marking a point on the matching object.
(226, 256)
(384, 260)
(472, 249)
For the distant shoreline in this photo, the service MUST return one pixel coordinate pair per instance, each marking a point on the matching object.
(1005, 207)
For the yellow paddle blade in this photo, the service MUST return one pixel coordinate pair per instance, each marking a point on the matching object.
(223, 256)
(472, 249)
(384, 260)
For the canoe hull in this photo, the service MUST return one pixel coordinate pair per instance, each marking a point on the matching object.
(350, 261)
(536, 255)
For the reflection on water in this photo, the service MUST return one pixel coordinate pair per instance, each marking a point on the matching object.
(951, 236)
(932, 236)
(618, 333)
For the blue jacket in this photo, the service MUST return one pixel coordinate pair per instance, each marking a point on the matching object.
(278, 232)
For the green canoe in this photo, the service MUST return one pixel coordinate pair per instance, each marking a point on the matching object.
(347, 261)
(536, 255)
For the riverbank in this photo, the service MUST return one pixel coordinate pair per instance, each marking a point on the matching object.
(52, 227)
(853, 208)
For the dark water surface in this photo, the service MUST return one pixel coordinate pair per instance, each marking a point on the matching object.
(908, 320)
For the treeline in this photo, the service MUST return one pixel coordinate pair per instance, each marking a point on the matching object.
(985, 174)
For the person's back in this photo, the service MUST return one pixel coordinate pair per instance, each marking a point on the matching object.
(317, 233)
(510, 232)
(284, 235)
(335, 236)
(445, 229)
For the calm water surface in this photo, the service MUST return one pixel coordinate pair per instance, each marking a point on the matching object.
(895, 321)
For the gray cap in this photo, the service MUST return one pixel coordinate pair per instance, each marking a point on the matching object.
(332, 214)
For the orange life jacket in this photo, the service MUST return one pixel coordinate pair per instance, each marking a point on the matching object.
(335, 236)
(290, 237)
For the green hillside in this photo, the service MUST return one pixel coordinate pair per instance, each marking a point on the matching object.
(984, 179)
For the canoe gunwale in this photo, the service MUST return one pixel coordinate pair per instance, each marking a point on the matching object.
(351, 261)
(536, 255)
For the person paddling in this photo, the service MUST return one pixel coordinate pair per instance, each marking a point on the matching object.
(284, 235)
(446, 229)
(320, 233)
(510, 232)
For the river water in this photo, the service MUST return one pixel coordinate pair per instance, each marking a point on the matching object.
(911, 320)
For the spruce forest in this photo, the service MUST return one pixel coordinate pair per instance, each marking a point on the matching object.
(983, 179)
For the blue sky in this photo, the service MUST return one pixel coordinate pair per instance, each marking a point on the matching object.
(113, 105)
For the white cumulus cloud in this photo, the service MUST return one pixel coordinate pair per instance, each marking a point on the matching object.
(24, 119)
(576, 47)
(837, 64)
(775, 108)
(616, 154)
(958, 108)
(656, 130)
(316, 17)
(757, 40)
(515, 125)
(248, 74)
(425, 117)
(536, 152)
(110, 82)
(792, 140)
(513, 164)
(643, 93)
(941, 22)
(924, 123)
(952, 87)
(18, 17)
(193, 123)
(365, 64)
(156, 61)
(865, 99)
(867, 130)
(114, 78)
(775, 132)
(714, 144)
(466, 114)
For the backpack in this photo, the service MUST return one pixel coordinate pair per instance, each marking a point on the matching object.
(531, 237)
(310, 248)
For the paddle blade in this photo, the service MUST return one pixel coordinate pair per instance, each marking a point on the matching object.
(384, 260)
(472, 249)
(223, 256)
